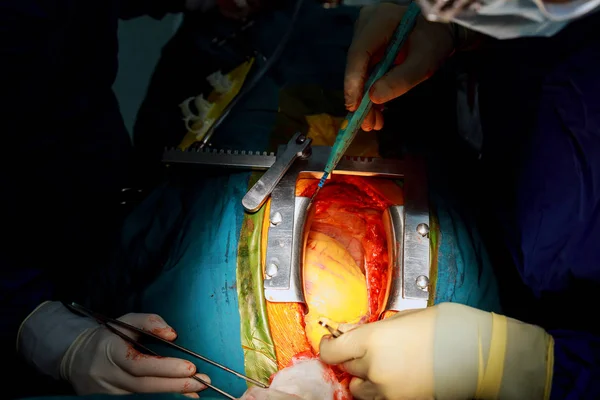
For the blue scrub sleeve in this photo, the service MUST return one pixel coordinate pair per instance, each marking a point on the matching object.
(559, 218)
(548, 140)
(576, 365)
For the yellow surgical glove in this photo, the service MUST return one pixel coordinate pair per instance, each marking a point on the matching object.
(448, 351)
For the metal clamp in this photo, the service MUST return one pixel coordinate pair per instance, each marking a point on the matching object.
(405, 291)
(262, 189)
(416, 252)
(276, 166)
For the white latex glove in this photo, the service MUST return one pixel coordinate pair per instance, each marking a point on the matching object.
(101, 362)
(95, 360)
(448, 351)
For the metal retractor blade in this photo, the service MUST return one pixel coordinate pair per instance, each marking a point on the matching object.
(224, 158)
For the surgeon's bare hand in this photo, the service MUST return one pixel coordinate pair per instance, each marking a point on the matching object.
(99, 361)
(428, 46)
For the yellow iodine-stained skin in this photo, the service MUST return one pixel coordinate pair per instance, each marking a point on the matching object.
(334, 286)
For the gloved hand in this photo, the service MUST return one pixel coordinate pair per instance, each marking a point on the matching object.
(428, 46)
(448, 351)
(101, 362)
(94, 360)
(255, 393)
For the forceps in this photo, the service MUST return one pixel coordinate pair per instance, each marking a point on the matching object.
(336, 333)
(106, 321)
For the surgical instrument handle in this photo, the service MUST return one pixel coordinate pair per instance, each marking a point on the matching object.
(354, 120)
(262, 189)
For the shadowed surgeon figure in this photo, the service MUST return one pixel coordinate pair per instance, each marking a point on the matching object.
(60, 205)
(540, 114)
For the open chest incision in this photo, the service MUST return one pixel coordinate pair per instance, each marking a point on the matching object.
(406, 225)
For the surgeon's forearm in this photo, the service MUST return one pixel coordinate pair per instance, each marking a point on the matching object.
(576, 365)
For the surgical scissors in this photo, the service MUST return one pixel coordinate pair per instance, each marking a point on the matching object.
(106, 321)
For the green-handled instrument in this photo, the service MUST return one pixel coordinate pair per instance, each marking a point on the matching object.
(354, 120)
